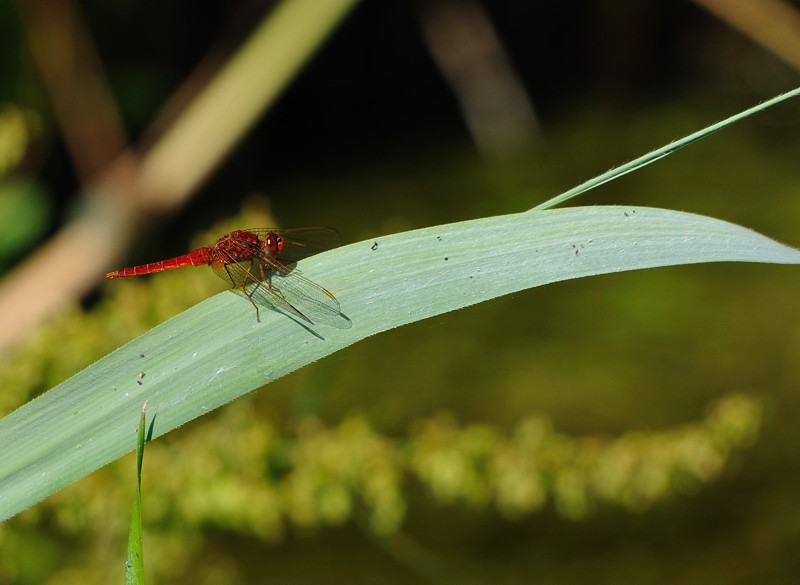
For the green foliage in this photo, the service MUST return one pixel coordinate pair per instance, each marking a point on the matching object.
(239, 473)
(17, 128)
(23, 216)
(23, 206)
(134, 562)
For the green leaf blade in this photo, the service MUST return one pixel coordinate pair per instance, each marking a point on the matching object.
(134, 561)
(216, 351)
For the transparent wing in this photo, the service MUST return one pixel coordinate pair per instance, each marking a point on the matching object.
(269, 283)
(292, 292)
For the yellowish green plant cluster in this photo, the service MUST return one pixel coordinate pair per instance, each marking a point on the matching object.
(239, 473)
(519, 471)
(17, 128)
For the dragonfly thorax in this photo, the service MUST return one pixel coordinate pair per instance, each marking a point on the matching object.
(236, 246)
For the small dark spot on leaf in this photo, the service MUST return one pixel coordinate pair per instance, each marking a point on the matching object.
(374, 246)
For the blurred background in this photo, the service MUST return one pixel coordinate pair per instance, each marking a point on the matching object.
(635, 427)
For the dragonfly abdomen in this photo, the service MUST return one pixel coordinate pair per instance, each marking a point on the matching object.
(199, 257)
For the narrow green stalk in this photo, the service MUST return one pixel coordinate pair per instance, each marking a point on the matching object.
(134, 564)
(659, 153)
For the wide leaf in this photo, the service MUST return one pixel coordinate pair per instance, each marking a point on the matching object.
(216, 351)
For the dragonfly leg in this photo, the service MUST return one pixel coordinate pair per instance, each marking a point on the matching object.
(249, 295)
(252, 302)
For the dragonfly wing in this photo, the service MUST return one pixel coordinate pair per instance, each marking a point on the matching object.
(289, 290)
(267, 281)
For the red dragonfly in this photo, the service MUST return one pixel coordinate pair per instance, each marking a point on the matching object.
(260, 262)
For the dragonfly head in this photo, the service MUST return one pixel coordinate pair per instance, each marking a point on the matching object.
(273, 243)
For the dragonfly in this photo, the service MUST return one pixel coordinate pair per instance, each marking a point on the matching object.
(260, 263)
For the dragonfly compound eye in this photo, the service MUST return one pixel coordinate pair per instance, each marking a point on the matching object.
(274, 244)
